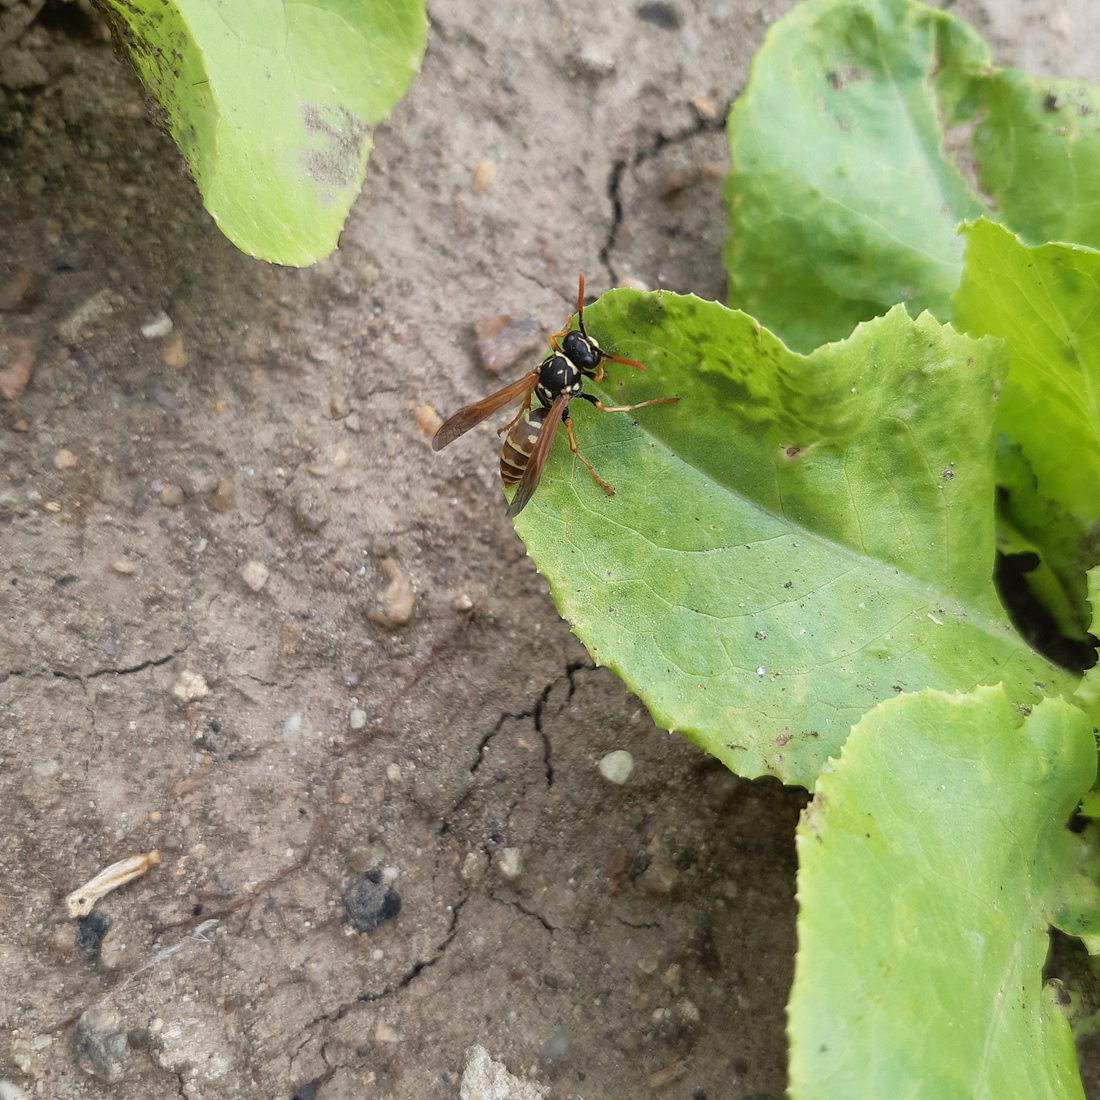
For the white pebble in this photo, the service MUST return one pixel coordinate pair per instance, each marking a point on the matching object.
(510, 863)
(357, 718)
(160, 325)
(255, 575)
(617, 767)
(190, 687)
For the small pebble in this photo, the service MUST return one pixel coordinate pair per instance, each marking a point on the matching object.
(341, 456)
(190, 687)
(52, 506)
(485, 171)
(64, 460)
(338, 405)
(172, 352)
(595, 60)
(647, 964)
(101, 1046)
(501, 340)
(473, 867)
(224, 495)
(396, 600)
(22, 352)
(617, 767)
(705, 107)
(123, 566)
(23, 1056)
(9, 1090)
(311, 508)
(461, 602)
(384, 1033)
(393, 773)
(357, 719)
(255, 575)
(510, 863)
(482, 1079)
(673, 977)
(352, 422)
(111, 952)
(369, 901)
(171, 496)
(659, 880)
(428, 420)
(160, 325)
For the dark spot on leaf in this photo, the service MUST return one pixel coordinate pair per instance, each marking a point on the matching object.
(1050, 102)
(840, 78)
(788, 584)
(948, 475)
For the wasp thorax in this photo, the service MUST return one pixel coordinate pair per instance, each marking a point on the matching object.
(582, 350)
(557, 375)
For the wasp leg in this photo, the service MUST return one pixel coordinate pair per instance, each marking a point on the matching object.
(573, 447)
(628, 408)
(519, 416)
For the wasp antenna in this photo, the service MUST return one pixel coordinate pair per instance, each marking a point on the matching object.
(625, 362)
(580, 304)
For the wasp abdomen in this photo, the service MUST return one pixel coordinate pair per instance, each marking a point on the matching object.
(519, 443)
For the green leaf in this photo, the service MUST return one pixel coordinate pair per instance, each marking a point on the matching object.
(1038, 152)
(795, 541)
(841, 201)
(272, 105)
(843, 193)
(929, 864)
(1078, 911)
(1045, 302)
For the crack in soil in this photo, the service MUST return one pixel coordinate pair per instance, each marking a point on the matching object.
(614, 183)
(153, 662)
(534, 913)
(403, 982)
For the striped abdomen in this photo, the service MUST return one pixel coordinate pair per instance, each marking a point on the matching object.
(519, 443)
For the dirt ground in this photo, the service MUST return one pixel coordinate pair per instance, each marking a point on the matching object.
(602, 941)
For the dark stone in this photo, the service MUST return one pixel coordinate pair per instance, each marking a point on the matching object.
(369, 901)
(90, 931)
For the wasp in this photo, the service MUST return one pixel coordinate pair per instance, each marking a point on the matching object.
(574, 356)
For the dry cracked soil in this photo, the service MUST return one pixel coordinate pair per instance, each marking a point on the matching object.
(280, 745)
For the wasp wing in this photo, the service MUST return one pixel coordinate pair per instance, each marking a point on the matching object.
(472, 415)
(530, 480)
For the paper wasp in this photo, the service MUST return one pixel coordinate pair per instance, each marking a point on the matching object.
(574, 356)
